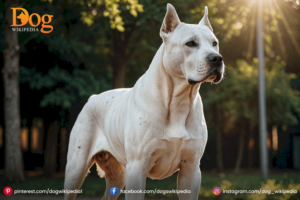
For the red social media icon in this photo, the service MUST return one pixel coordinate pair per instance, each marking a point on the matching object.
(8, 191)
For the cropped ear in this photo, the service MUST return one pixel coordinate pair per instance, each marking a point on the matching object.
(171, 21)
(204, 21)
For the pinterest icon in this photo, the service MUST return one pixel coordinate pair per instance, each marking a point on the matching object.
(8, 191)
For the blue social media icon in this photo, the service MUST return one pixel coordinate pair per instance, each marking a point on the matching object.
(114, 191)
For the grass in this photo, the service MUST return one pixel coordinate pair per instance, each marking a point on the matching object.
(95, 186)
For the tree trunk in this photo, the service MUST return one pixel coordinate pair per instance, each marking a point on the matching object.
(240, 148)
(219, 156)
(14, 169)
(118, 58)
(51, 150)
(63, 150)
(122, 53)
(250, 148)
(219, 152)
(119, 77)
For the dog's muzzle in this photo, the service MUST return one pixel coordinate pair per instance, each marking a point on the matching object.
(215, 62)
(215, 73)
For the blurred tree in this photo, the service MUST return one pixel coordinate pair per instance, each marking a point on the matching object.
(63, 81)
(14, 171)
(219, 129)
(50, 159)
(113, 10)
(234, 21)
(65, 88)
(236, 98)
(122, 30)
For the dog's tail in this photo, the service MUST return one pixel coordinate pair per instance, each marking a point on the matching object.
(100, 172)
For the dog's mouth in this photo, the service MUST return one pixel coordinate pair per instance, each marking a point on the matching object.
(214, 76)
(211, 78)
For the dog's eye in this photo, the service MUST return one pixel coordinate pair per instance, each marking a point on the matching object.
(191, 44)
(215, 43)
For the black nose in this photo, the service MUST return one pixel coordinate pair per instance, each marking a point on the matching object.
(214, 59)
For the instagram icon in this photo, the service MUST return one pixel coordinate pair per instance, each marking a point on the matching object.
(217, 191)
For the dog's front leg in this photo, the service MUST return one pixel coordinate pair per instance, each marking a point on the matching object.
(189, 178)
(135, 180)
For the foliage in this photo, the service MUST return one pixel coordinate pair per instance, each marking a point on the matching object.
(112, 11)
(65, 87)
(237, 94)
(272, 185)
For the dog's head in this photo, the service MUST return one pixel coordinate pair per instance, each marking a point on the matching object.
(191, 50)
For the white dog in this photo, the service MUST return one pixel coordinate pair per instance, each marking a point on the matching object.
(155, 128)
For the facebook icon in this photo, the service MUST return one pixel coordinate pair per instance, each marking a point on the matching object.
(114, 191)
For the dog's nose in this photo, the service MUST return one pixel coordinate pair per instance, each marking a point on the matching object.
(215, 59)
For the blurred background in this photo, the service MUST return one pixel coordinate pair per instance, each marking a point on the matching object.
(100, 45)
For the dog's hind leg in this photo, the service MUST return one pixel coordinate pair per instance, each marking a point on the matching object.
(75, 174)
(76, 171)
(79, 154)
(114, 173)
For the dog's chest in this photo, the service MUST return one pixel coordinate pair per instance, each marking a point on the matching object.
(169, 155)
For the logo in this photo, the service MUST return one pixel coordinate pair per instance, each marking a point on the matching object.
(24, 17)
(8, 191)
(217, 191)
(114, 191)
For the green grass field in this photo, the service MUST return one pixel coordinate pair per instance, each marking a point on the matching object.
(95, 186)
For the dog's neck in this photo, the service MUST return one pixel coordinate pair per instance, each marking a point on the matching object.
(176, 95)
(173, 90)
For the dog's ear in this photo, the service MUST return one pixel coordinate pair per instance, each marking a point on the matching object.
(171, 21)
(204, 21)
